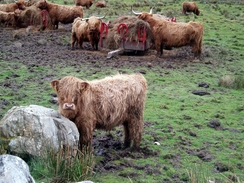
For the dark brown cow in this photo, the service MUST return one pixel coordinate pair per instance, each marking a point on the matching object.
(104, 104)
(101, 4)
(174, 34)
(10, 18)
(190, 7)
(20, 4)
(86, 29)
(86, 3)
(60, 13)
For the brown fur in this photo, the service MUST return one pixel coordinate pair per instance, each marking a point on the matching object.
(100, 4)
(190, 7)
(175, 34)
(20, 4)
(86, 3)
(61, 13)
(86, 30)
(10, 18)
(104, 104)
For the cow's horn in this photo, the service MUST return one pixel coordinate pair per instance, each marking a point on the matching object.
(102, 17)
(150, 12)
(135, 12)
(84, 19)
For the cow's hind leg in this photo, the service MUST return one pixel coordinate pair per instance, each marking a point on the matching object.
(135, 126)
(127, 139)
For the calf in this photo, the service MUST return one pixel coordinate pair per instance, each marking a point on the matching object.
(104, 104)
(190, 7)
(9, 18)
(20, 4)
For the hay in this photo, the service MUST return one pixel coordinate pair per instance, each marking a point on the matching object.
(113, 38)
(32, 16)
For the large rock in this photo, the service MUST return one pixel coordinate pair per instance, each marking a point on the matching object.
(31, 129)
(13, 169)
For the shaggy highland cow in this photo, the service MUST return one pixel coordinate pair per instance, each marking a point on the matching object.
(20, 4)
(9, 18)
(174, 34)
(86, 29)
(190, 7)
(86, 3)
(104, 104)
(60, 13)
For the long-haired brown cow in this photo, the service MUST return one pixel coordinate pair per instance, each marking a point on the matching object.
(60, 13)
(190, 7)
(101, 4)
(86, 29)
(20, 4)
(86, 3)
(174, 34)
(104, 104)
(10, 18)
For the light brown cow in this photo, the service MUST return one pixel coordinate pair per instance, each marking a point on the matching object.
(190, 7)
(20, 4)
(86, 3)
(104, 104)
(86, 29)
(174, 34)
(101, 4)
(60, 13)
(10, 18)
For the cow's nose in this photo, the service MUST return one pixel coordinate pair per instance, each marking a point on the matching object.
(68, 106)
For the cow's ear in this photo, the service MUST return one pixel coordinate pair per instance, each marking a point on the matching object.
(54, 85)
(82, 87)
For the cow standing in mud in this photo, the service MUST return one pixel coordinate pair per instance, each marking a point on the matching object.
(20, 4)
(60, 13)
(86, 29)
(104, 104)
(190, 7)
(174, 34)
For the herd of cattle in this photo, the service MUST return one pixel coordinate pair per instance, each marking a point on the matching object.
(165, 33)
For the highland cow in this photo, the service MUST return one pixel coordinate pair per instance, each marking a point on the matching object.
(10, 18)
(60, 13)
(86, 29)
(190, 7)
(86, 3)
(20, 4)
(101, 4)
(104, 104)
(174, 34)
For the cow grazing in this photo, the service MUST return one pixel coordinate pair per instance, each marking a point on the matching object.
(86, 29)
(10, 18)
(104, 104)
(60, 13)
(174, 34)
(86, 3)
(190, 7)
(101, 4)
(20, 4)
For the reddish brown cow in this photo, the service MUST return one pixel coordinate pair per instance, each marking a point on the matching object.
(174, 34)
(86, 3)
(86, 29)
(101, 4)
(60, 13)
(190, 7)
(20, 4)
(9, 18)
(104, 104)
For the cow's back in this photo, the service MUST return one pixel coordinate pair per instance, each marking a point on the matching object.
(115, 99)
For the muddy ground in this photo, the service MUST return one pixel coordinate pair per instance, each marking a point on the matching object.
(35, 48)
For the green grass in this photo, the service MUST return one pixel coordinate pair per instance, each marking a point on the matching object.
(175, 115)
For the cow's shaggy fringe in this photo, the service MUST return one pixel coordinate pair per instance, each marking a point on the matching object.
(113, 38)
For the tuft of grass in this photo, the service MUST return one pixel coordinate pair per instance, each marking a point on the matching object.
(229, 81)
(63, 166)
